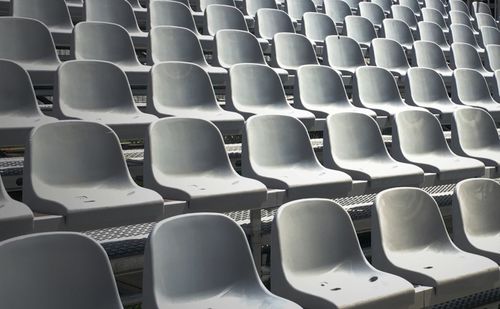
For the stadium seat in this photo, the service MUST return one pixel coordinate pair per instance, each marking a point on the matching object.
(169, 43)
(52, 13)
(76, 169)
(390, 55)
(489, 36)
(404, 13)
(337, 10)
(480, 7)
(297, 8)
(475, 135)
(256, 89)
(431, 32)
(269, 22)
(290, 51)
(465, 56)
(320, 90)
(414, 6)
(461, 6)
(492, 61)
(464, 34)
(354, 5)
(485, 20)
(385, 5)
(210, 185)
(437, 5)
(75, 8)
(398, 31)
(56, 270)
(373, 12)
(15, 217)
(317, 27)
(250, 7)
(334, 272)
(461, 18)
(236, 46)
(409, 239)
(376, 89)
(170, 93)
(475, 209)
(425, 88)
(117, 12)
(28, 43)
(428, 149)
(173, 13)
(19, 111)
(109, 42)
(434, 16)
(360, 29)
(98, 91)
(211, 266)
(427, 54)
(273, 143)
(343, 54)
(352, 143)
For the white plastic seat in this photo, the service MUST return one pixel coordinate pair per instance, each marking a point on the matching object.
(409, 239)
(470, 88)
(385, 5)
(492, 61)
(190, 276)
(118, 12)
(320, 90)
(485, 20)
(343, 54)
(334, 273)
(496, 86)
(398, 31)
(337, 10)
(57, 270)
(353, 143)
(464, 34)
(19, 111)
(272, 144)
(461, 18)
(475, 209)
(29, 43)
(99, 91)
(250, 7)
(297, 8)
(210, 185)
(360, 29)
(390, 55)
(404, 13)
(269, 22)
(461, 6)
(256, 89)
(489, 36)
(414, 6)
(173, 13)
(475, 135)
(431, 32)
(425, 88)
(15, 217)
(417, 138)
(354, 5)
(373, 12)
(109, 42)
(376, 89)
(290, 51)
(480, 7)
(170, 94)
(53, 13)
(434, 16)
(317, 27)
(76, 169)
(465, 56)
(437, 5)
(169, 43)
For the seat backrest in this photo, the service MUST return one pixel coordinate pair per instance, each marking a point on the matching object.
(458, 5)
(464, 55)
(459, 17)
(427, 54)
(483, 19)
(205, 3)
(480, 7)
(463, 34)
(297, 8)
(170, 43)
(252, 6)
(337, 10)
(52, 13)
(430, 31)
(317, 26)
(91, 86)
(375, 85)
(424, 85)
(191, 272)
(359, 28)
(417, 132)
(103, 41)
(434, 16)
(220, 17)
(118, 12)
(398, 31)
(236, 46)
(490, 36)
(268, 22)
(170, 13)
(469, 86)
(404, 13)
(387, 53)
(384, 4)
(83, 279)
(436, 5)
(26, 41)
(493, 57)
(275, 141)
(412, 4)
(291, 50)
(353, 4)
(171, 85)
(342, 51)
(473, 129)
(373, 12)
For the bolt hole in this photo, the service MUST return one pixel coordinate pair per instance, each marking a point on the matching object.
(323, 283)
(373, 279)
(335, 289)
(428, 267)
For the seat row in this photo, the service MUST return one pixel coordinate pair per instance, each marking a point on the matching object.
(203, 260)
